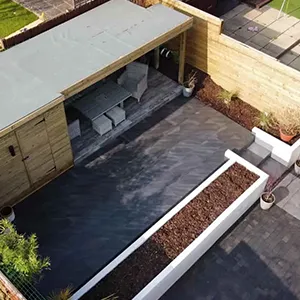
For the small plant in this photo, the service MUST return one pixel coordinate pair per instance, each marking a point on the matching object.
(268, 195)
(265, 120)
(227, 97)
(191, 80)
(289, 120)
(64, 294)
(19, 254)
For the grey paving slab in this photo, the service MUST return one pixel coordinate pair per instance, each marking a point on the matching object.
(259, 150)
(288, 195)
(288, 57)
(88, 215)
(258, 259)
(296, 63)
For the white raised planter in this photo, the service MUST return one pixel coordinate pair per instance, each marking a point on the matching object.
(166, 278)
(280, 151)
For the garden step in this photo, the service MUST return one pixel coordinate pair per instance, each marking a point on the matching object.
(251, 157)
(275, 169)
(255, 154)
(259, 150)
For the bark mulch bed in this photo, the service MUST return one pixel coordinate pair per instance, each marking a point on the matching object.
(140, 267)
(238, 110)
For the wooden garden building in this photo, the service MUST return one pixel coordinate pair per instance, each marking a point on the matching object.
(38, 78)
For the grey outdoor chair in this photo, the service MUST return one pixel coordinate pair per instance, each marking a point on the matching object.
(134, 79)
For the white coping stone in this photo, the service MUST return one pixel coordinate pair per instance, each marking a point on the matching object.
(280, 151)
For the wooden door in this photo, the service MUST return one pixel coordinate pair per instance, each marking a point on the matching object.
(35, 148)
(13, 176)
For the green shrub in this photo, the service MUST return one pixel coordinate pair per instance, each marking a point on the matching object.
(19, 254)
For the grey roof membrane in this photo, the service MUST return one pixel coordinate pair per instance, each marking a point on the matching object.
(35, 72)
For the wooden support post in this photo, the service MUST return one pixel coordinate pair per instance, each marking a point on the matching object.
(182, 57)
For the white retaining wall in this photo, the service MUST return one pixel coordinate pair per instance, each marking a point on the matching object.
(280, 151)
(164, 280)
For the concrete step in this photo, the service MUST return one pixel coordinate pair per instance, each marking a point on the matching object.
(275, 169)
(259, 150)
(255, 154)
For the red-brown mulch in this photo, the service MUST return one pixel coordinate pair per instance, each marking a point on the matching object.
(208, 91)
(139, 268)
(238, 110)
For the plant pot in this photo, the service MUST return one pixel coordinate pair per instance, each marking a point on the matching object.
(285, 137)
(297, 167)
(265, 205)
(8, 213)
(187, 91)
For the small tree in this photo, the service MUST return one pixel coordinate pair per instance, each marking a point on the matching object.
(19, 254)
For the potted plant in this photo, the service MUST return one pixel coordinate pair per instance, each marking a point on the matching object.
(189, 84)
(267, 198)
(289, 122)
(8, 213)
(297, 166)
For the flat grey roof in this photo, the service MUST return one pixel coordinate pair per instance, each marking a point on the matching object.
(34, 73)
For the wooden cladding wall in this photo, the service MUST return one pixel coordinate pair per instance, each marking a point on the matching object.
(261, 80)
(34, 154)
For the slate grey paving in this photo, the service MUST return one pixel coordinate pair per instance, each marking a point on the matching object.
(259, 259)
(288, 194)
(88, 215)
(277, 37)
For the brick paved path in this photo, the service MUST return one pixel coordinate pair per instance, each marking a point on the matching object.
(259, 259)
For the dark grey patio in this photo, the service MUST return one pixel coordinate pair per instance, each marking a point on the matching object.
(87, 216)
(259, 259)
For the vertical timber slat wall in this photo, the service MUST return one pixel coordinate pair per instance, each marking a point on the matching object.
(58, 137)
(33, 154)
(260, 79)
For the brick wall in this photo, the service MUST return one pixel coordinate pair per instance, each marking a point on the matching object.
(8, 291)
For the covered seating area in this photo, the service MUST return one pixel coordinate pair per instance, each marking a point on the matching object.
(82, 84)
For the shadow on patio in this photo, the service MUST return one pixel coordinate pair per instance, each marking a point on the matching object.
(240, 274)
